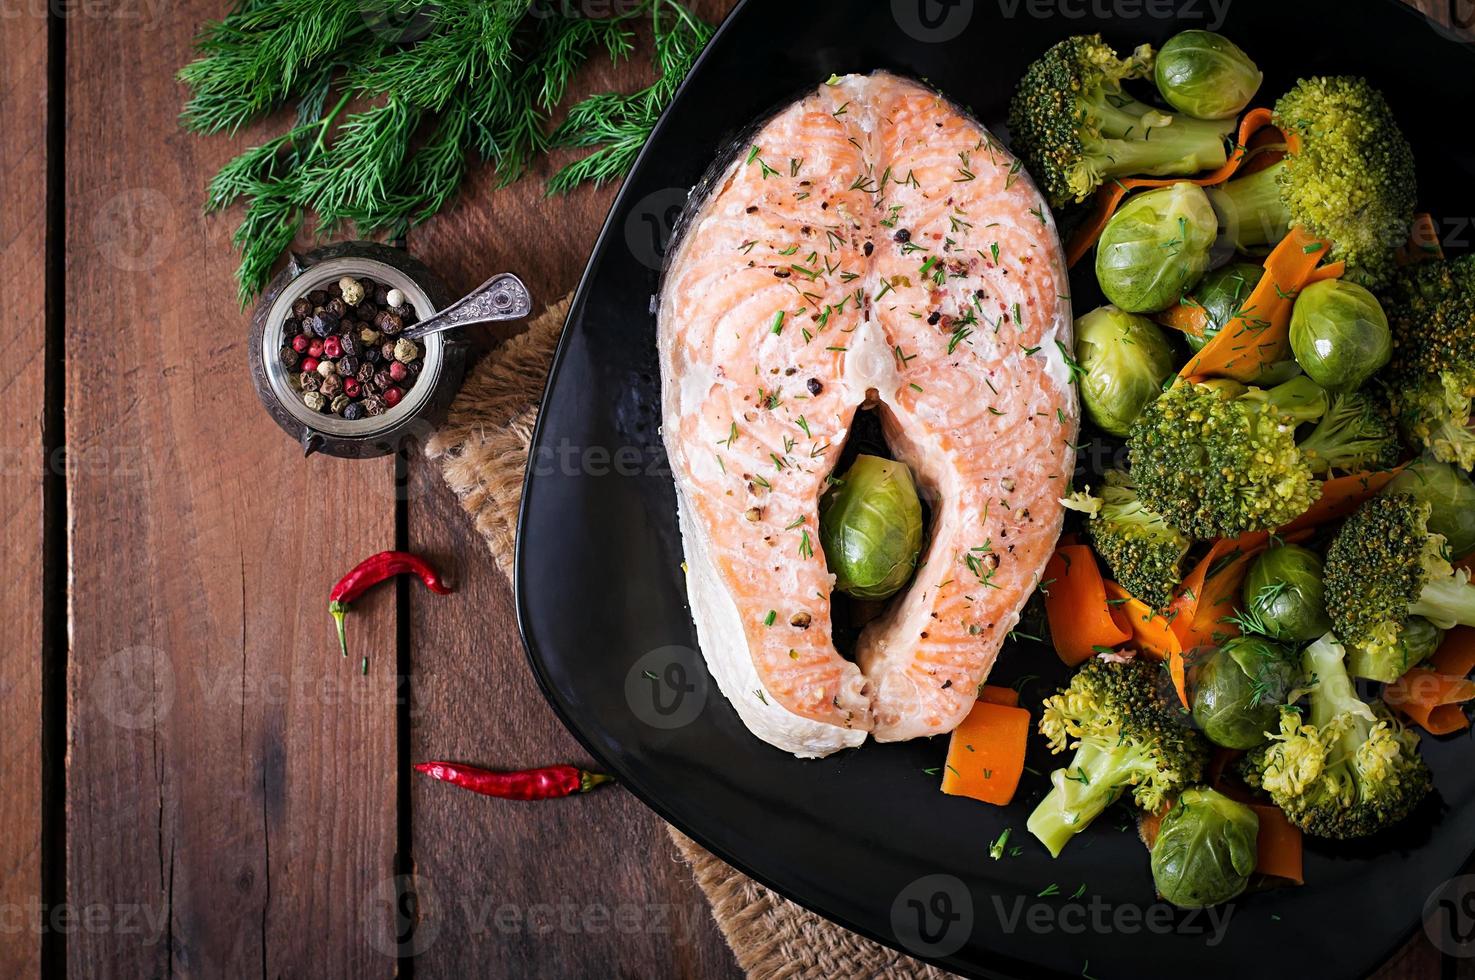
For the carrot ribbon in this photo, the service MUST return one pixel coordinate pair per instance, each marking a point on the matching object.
(1082, 622)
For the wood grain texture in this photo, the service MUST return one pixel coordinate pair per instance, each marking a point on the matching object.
(230, 800)
(23, 161)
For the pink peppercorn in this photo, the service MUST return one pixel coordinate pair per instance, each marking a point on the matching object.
(392, 395)
(300, 343)
(309, 363)
(315, 349)
(398, 371)
(351, 387)
(332, 348)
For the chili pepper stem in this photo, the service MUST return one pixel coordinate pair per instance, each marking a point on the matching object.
(589, 780)
(338, 611)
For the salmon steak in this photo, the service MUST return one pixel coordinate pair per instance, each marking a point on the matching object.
(874, 246)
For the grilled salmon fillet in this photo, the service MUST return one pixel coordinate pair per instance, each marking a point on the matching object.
(877, 246)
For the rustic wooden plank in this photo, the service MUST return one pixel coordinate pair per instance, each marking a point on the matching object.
(23, 162)
(231, 779)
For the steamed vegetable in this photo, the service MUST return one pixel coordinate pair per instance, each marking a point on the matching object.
(1339, 334)
(1206, 75)
(1206, 849)
(871, 528)
(1417, 642)
(1074, 126)
(1284, 595)
(1124, 361)
(1127, 732)
(1082, 619)
(1144, 552)
(1348, 178)
(1155, 248)
(1346, 768)
(1450, 495)
(1356, 433)
(1240, 689)
(985, 756)
(1222, 294)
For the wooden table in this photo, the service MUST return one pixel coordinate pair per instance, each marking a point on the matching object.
(194, 782)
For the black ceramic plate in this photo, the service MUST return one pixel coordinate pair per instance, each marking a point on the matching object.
(865, 837)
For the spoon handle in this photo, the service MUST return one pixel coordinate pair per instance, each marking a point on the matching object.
(502, 297)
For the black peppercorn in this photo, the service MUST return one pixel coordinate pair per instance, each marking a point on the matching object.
(365, 311)
(902, 235)
(290, 358)
(323, 323)
(374, 405)
(814, 386)
(380, 293)
(310, 381)
(389, 323)
(348, 364)
(386, 350)
(372, 355)
(365, 372)
(301, 308)
(337, 307)
(382, 380)
(317, 297)
(350, 343)
(354, 411)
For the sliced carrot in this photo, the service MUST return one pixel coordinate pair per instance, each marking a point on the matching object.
(1279, 844)
(1186, 317)
(1332, 270)
(1109, 195)
(1211, 588)
(1153, 635)
(1423, 242)
(985, 757)
(1081, 621)
(1148, 826)
(1260, 334)
(1340, 496)
(1431, 700)
(1006, 696)
(1456, 655)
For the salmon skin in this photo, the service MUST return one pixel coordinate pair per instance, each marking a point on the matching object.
(874, 245)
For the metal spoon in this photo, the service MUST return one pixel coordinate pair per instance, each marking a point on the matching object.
(502, 297)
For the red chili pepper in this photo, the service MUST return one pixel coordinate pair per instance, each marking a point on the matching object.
(549, 782)
(370, 572)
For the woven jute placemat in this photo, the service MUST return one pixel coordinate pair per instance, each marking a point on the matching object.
(482, 450)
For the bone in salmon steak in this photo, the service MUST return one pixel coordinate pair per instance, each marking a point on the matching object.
(874, 244)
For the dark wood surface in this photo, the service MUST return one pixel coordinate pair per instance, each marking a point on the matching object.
(226, 796)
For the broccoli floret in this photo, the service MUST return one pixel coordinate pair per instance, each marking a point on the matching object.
(1217, 463)
(1431, 378)
(1356, 433)
(1126, 731)
(1348, 770)
(1350, 180)
(1383, 567)
(1144, 552)
(1074, 127)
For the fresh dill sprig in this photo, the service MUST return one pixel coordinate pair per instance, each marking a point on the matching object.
(391, 97)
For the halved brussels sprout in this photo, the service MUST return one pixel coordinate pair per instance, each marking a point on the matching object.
(1239, 688)
(1125, 359)
(1450, 495)
(1339, 334)
(1156, 247)
(1206, 75)
(1206, 849)
(1283, 592)
(870, 526)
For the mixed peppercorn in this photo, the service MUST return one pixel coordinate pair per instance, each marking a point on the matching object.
(343, 347)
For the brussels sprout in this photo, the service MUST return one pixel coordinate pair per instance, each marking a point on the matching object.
(1221, 293)
(1156, 247)
(1206, 849)
(1206, 75)
(1339, 334)
(1450, 495)
(1284, 595)
(1239, 688)
(1124, 359)
(1416, 643)
(871, 528)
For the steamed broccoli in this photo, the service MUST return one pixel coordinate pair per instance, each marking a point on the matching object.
(1218, 460)
(1075, 128)
(1144, 552)
(1348, 770)
(1350, 180)
(1356, 433)
(1383, 567)
(1431, 379)
(1126, 731)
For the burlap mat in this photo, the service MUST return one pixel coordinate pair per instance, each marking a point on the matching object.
(483, 449)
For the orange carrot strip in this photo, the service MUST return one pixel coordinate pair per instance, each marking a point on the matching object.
(1153, 635)
(1110, 194)
(1279, 845)
(985, 756)
(1260, 335)
(1081, 621)
(1006, 696)
(1189, 318)
(1431, 700)
(1341, 496)
(1204, 599)
(1423, 242)
(1456, 655)
(1332, 270)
